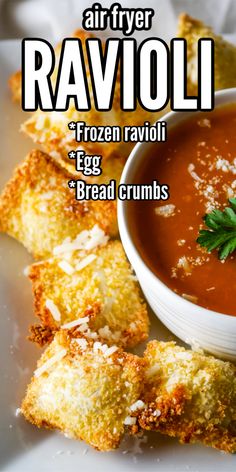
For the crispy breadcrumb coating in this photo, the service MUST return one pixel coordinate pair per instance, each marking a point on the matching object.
(189, 395)
(85, 391)
(38, 208)
(105, 287)
(224, 53)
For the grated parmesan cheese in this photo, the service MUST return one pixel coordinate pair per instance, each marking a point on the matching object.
(72, 324)
(84, 328)
(105, 332)
(229, 191)
(66, 267)
(138, 405)
(82, 343)
(104, 348)
(204, 123)
(85, 240)
(18, 412)
(26, 271)
(97, 238)
(56, 358)
(55, 154)
(86, 261)
(47, 195)
(184, 355)
(50, 305)
(110, 351)
(195, 346)
(68, 245)
(225, 165)
(193, 174)
(184, 264)
(129, 421)
(97, 345)
(91, 334)
(153, 370)
(190, 298)
(165, 210)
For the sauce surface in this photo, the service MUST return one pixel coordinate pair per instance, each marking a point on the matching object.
(198, 162)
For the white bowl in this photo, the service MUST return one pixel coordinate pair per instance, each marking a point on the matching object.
(214, 332)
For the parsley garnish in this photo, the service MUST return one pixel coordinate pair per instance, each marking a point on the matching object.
(222, 232)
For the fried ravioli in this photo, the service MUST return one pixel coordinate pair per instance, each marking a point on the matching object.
(190, 396)
(225, 53)
(38, 208)
(85, 390)
(97, 282)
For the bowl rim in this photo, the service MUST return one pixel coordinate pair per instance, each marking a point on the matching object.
(222, 97)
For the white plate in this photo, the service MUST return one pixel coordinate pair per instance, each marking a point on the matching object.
(23, 447)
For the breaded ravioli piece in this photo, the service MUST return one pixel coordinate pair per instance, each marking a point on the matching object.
(85, 390)
(189, 395)
(224, 52)
(39, 209)
(98, 282)
(50, 129)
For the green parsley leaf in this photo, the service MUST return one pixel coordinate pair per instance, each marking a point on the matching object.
(222, 232)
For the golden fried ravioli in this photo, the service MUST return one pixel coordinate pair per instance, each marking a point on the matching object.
(38, 208)
(225, 54)
(85, 390)
(50, 129)
(96, 282)
(190, 396)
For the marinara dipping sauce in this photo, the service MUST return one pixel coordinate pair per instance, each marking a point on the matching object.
(198, 162)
